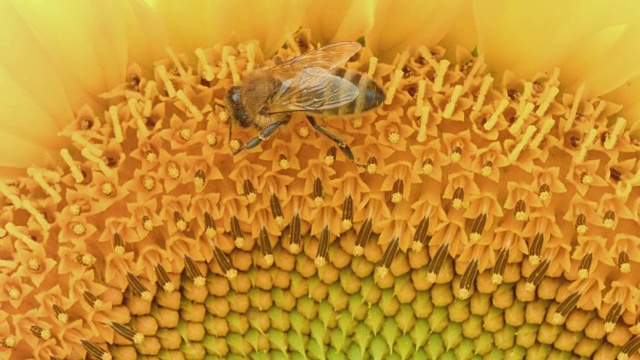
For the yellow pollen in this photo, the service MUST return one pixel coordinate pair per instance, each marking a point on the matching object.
(10, 341)
(381, 272)
(151, 157)
(618, 128)
(356, 122)
(609, 327)
(586, 179)
(427, 169)
(581, 229)
(99, 305)
(138, 338)
(200, 281)
(463, 294)
(544, 196)
(534, 260)
(625, 268)
(432, 277)
(496, 279)
(119, 250)
(169, 287)
(318, 201)
(63, 318)
(45, 334)
(284, 164)
(328, 160)
(268, 259)
(557, 319)
(396, 197)
(583, 273)
(234, 145)
(14, 293)
(320, 261)
(231, 274)
(279, 220)
(106, 356)
(608, 223)
(107, 189)
(529, 287)
(181, 225)
(87, 260)
(148, 183)
(198, 182)
(294, 249)
(78, 229)
(373, 63)
(451, 106)
(358, 250)
(212, 140)
(207, 70)
(147, 224)
(493, 120)
(487, 171)
(146, 296)
(521, 216)
(455, 157)
(456, 204)
(372, 168)
(75, 209)
(173, 171)
(223, 116)
(394, 137)
(346, 224)
(416, 246)
(303, 131)
(251, 197)
(475, 237)
(239, 242)
(34, 264)
(210, 233)
(185, 134)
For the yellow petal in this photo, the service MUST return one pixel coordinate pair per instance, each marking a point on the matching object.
(335, 20)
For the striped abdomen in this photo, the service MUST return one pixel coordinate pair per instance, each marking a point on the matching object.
(370, 96)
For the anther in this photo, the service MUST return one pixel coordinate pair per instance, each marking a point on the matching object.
(295, 238)
(536, 249)
(250, 191)
(612, 317)
(421, 238)
(615, 174)
(181, 223)
(451, 105)
(210, 230)
(323, 248)
(36, 214)
(618, 128)
(303, 131)
(468, 279)
(585, 178)
(547, 125)
(487, 168)
(225, 264)
(85, 123)
(487, 80)
(372, 165)
(347, 212)
(456, 154)
(185, 134)
(148, 183)
(577, 99)
(433, 268)
(427, 166)
(200, 179)
(544, 194)
(34, 265)
(40, 332)
(393, 137)
(85, 259)
(318, 192)
(441, 70)
(330, 157)
(108, 189)
(193, 272)
(61, 315)
(397, 191)
(585, 266)
(236, 232)
(115, 119)
(565, 308)
(14, 293)
(95, 350)
(609, 219)
(151, 156)
(207, 70)
(387, 258)
(173, 170)
(422, 87)
(9, 342)
(581, 224)
(520, 211)
(537, 276)
(127, 333)
(477, 228)
(147, 224)
(516, 127)
(93, 301)
(522, 142)
(163, 279)
(212, 140)
(424, 120)
(548, 98)
(283, 162)
(493, 119)
(265, 246)
(356, 122)
(363, 237)
(276, 210)
(585, 145)
(458, 198)
(497, 274)
(373, 62)
(138, 288)
(624, 263)
(395, 81)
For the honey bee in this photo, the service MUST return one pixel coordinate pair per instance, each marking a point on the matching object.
(312, 83)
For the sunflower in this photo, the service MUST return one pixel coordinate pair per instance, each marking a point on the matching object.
(496, 214)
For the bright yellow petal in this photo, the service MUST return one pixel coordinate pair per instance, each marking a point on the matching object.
(335, 20)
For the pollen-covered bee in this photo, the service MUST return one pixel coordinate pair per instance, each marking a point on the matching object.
(312, 83)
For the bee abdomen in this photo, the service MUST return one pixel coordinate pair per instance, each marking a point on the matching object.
(370, 96)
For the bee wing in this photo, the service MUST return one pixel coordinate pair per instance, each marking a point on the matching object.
(312, 89)
(326, 57)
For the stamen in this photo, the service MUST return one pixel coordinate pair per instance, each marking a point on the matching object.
(250, 192)
(225, 264)
(387, 258)
(276, 210)
(487, 80)
(612, 317)
(631, 347)
(151, 156)
(372, 165)
(37, 215)
(207, 70)
(85, 259)
(618, 128)
(234, 69)
(477, 228)
(236, 232)
(615, 174)
(283, 162)
(456, 154)
(422, 88)
(363, 237)
(108, 189)
(393, 137)
(137, 287)
(132, 105)
(14, 293)
(61, 315)
(330, 157)
(224, 68)
(193, 272)
(373, 63)
(76, 173)
(356, 122)
(624, 263)
(181, 224)
(93, 301)
(6, 192)
(468, 279)
(427, 166)
(147, 224)
(546, 101)
(574, 107)
(441, 70)
(609, 219)
(497, 275)
(40, 332)
(96, 351)
(544, 193)
(37, 176)
(347, 212)
(9, 342)
(193, 110)
(424, 119)
(173, 170)
(303, 131)
(251, 56)
(115, 119)
(524, 139)
(536, 276)
(586, 144)
(421, 238)
(397, 191)
(323, 248)
(581, 224)
(168, 85)
(318, 192)
(395, 81)
(212, 140)
(493, 120)
(585, 265)
(265, 246)
(78, 229)
(163, 279)
(547, 125)
(487, 168)
(565, 308)
(199, 180)
(127, 333)
(536, 249)
(458, 198)
(451, 105)
(516, 127)
(148, 183)
(295, 238)
(34, 265)
(520, 211)
(433, 268)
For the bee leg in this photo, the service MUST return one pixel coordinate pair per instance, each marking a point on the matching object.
(263, 135)
(346, 150)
